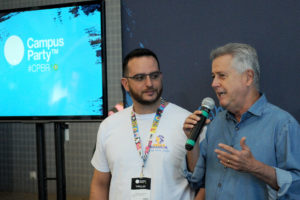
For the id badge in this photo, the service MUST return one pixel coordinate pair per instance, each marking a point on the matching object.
(140, 188)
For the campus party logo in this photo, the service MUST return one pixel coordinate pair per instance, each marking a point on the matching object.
(14, 50)
(39, 52)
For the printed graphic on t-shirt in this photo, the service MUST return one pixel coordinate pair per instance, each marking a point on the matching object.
(159, 144)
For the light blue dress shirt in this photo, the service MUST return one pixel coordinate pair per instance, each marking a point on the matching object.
(273, 136)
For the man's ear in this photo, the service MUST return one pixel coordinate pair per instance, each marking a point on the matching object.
(250, 76)
(124, 82)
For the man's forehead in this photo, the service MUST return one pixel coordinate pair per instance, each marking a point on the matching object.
(222, 63)
(141, 59)
(143, 64)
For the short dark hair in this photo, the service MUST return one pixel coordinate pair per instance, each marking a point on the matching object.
(139, 52)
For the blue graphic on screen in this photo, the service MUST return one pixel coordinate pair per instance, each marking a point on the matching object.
(50, 62)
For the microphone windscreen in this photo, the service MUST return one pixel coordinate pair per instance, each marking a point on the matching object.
(208, 103)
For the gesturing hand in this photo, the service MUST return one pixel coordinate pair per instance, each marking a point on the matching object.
(242, 160)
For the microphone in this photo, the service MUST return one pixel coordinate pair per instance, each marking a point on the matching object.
(206, 106)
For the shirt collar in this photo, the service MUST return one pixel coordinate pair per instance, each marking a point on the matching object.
(256, 109)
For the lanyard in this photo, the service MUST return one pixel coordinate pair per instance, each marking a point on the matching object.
(137, 138)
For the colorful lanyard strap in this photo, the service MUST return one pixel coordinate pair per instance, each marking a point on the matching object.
(137, 138)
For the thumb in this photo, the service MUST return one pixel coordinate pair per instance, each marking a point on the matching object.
(207, 121)
(243, 144)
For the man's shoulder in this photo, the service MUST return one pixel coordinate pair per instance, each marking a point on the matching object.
(173, 108)
(117, 117)
(277, 113)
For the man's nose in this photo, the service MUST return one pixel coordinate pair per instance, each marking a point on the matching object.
(148, 81)
(215, 83)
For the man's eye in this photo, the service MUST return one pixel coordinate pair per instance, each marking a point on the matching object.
(139, 77)
(154, 75)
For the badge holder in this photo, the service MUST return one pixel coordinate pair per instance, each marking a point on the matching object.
(140, 188)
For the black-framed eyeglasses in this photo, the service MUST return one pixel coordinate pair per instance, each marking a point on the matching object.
(142, 77)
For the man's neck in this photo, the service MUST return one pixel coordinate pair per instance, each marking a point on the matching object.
(250, 101)
(146, 109)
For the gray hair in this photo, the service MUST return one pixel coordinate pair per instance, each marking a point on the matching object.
(244, 57)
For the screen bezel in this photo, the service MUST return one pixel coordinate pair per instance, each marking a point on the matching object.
(69, 118)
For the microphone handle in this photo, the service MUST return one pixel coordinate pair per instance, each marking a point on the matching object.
(195, 132)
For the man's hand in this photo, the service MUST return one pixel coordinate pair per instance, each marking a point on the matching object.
(191, 121)
(242, 160)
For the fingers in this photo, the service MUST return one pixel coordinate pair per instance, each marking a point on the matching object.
(188, 125)
(241, 160)
(207, 121)
(225, 158)
(228, 148)
(233, 150)
(230, 154)
(191, 121)
(243, 143)
(197, 112)
(226, 163)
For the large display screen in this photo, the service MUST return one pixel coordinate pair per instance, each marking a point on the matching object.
(52, 63)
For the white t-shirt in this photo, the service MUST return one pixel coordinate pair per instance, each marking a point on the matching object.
(116, 153)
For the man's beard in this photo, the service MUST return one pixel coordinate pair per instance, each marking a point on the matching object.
(142, 101)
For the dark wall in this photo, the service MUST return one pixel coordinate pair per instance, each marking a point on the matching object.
(183, 33)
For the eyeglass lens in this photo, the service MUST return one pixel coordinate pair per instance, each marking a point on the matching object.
(141, 77)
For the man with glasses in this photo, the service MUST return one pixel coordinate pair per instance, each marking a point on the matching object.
(140, 149)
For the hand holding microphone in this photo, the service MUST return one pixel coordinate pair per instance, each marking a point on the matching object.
(206, 106)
